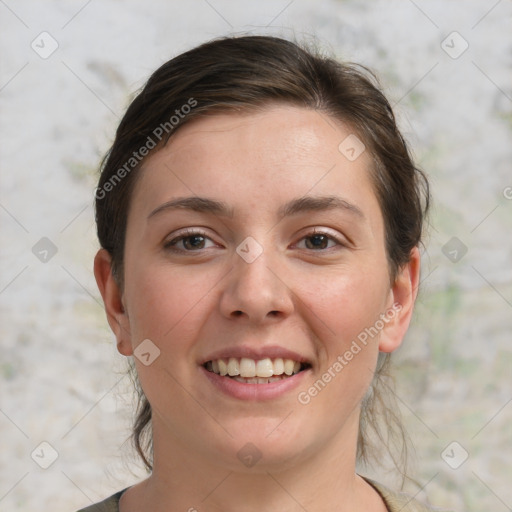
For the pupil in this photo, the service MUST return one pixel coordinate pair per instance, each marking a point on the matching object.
(194, 242)
(318, 241)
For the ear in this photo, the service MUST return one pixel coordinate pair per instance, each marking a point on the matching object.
(113, 301)
(401, 304)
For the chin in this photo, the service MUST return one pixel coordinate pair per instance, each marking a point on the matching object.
(263, 445)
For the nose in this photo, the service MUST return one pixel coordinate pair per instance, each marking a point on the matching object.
(256, 291)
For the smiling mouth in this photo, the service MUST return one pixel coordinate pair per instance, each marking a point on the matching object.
(251, 371)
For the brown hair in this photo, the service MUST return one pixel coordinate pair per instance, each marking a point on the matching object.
(244, 74)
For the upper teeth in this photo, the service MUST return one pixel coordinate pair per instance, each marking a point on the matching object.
(246, 367)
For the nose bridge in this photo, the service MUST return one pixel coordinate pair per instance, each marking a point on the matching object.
(254, 289)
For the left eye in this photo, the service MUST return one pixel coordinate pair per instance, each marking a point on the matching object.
(318, 241)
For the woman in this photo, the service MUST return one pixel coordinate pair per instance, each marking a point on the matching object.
(259, 217)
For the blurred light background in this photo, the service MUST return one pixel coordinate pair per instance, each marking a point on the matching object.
(67, 72)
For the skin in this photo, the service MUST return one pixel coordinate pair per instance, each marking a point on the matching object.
(312, 301)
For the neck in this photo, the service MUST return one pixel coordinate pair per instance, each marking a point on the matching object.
(184, 479)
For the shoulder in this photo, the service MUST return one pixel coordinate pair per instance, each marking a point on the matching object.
(111, 504)
(400, 501)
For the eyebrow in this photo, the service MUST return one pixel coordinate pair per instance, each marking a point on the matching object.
(196, 204)
(293, 207)
(318, 203)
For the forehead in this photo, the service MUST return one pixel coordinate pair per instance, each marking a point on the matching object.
(275, 132)
(257, 159)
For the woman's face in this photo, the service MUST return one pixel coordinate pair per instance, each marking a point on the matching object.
(254, 237)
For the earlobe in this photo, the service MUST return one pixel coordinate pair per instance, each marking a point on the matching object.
(113, 301)
(402, 298)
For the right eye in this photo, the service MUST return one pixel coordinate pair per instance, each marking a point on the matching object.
(191, 241)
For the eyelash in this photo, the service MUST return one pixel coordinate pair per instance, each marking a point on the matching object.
(171, 244)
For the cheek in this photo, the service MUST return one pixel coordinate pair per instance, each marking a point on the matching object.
(346, 303)
(165, 302)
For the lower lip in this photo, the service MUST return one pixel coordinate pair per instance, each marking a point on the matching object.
(255, 392)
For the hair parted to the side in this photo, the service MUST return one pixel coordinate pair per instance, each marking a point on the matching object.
(250, 73)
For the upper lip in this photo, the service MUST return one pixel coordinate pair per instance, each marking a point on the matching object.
(271, 351)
